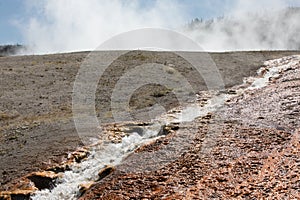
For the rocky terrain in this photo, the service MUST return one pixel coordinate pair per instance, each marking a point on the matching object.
(255, 136)
(247, 150)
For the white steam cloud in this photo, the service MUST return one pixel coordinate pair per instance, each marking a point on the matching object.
(277, 30)
(64, 25)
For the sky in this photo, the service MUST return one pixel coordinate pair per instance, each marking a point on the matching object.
(10, 11)
(72, 25)
(14, 13)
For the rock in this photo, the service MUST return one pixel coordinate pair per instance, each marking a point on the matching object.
(79, 155)
(167, 129)
(208, 116)
(116, 132)
(170, 69)
(231, 92)
(16, 194)
(43, 180)
(59, 168)
(83, 187)
(135, 129)
(108, 169)
(263, 71)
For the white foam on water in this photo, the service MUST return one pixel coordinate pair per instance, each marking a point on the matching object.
(193, 111)
(87, 170)
(67, 187)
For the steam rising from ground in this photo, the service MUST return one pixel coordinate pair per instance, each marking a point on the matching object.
(277, 30)
(62, 25)
(81, 25)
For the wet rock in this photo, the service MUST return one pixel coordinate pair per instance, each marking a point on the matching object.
(43, 180)
(116, 132)
(105, 172)
(208, 116)
(231, 92)
(59, 168)
(135, 129)
(167, 129)
(16, 195)
(79, 155)
(83, 187)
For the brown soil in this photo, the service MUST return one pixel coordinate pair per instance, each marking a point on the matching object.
(248, 150)
(36, 125)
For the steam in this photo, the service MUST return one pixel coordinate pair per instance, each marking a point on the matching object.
(275, 30)
(62, 25)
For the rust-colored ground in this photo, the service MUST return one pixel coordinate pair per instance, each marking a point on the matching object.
(37, 129)
(248, 150)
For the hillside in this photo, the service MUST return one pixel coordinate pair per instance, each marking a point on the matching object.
(38, 132)
(247, 150)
